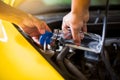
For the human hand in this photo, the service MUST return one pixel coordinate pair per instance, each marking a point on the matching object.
(34, 27)
(77, 25)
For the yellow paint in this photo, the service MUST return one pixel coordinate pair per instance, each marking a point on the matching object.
(14, 3)
(20, 61)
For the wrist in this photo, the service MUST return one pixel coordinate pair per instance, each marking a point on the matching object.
(80, 7)
(84, 15)
(79, 12)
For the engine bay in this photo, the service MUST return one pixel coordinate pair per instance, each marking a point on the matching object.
(92, 61)
(82, 64)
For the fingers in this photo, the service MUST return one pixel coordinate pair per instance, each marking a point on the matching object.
(47, 27)
(64, 27)
(42, 27)
(66, 31)
(77, 31)
(76, 34)
(76, 37)
(36, 40)
(84, 29)
(33, 27)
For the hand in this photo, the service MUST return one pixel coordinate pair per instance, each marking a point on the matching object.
(34, 27)
(77, 25)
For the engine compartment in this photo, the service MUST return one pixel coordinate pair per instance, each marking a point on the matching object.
(76, 64)
(84, 65)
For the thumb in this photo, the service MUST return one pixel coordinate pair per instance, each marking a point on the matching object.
(84, 29)
(76, 36)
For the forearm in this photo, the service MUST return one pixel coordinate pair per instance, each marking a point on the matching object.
(11, 14)
(79, 6)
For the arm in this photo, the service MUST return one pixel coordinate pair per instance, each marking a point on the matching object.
(27, 22)
(79, 6)
(11, 14)
(77, 19)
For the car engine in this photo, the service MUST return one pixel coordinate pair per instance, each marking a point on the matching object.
(98, 57)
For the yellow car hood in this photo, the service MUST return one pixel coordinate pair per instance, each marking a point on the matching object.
(19, 60)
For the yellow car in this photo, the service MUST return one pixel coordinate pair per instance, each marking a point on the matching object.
(22, 59)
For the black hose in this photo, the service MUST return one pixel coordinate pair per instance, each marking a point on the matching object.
(74, 70)
(108, 66)
(60, 61)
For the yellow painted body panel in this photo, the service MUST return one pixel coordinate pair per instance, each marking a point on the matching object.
(20, 61)
(14, 3)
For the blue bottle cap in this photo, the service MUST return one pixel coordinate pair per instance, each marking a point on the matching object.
(45, 37)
